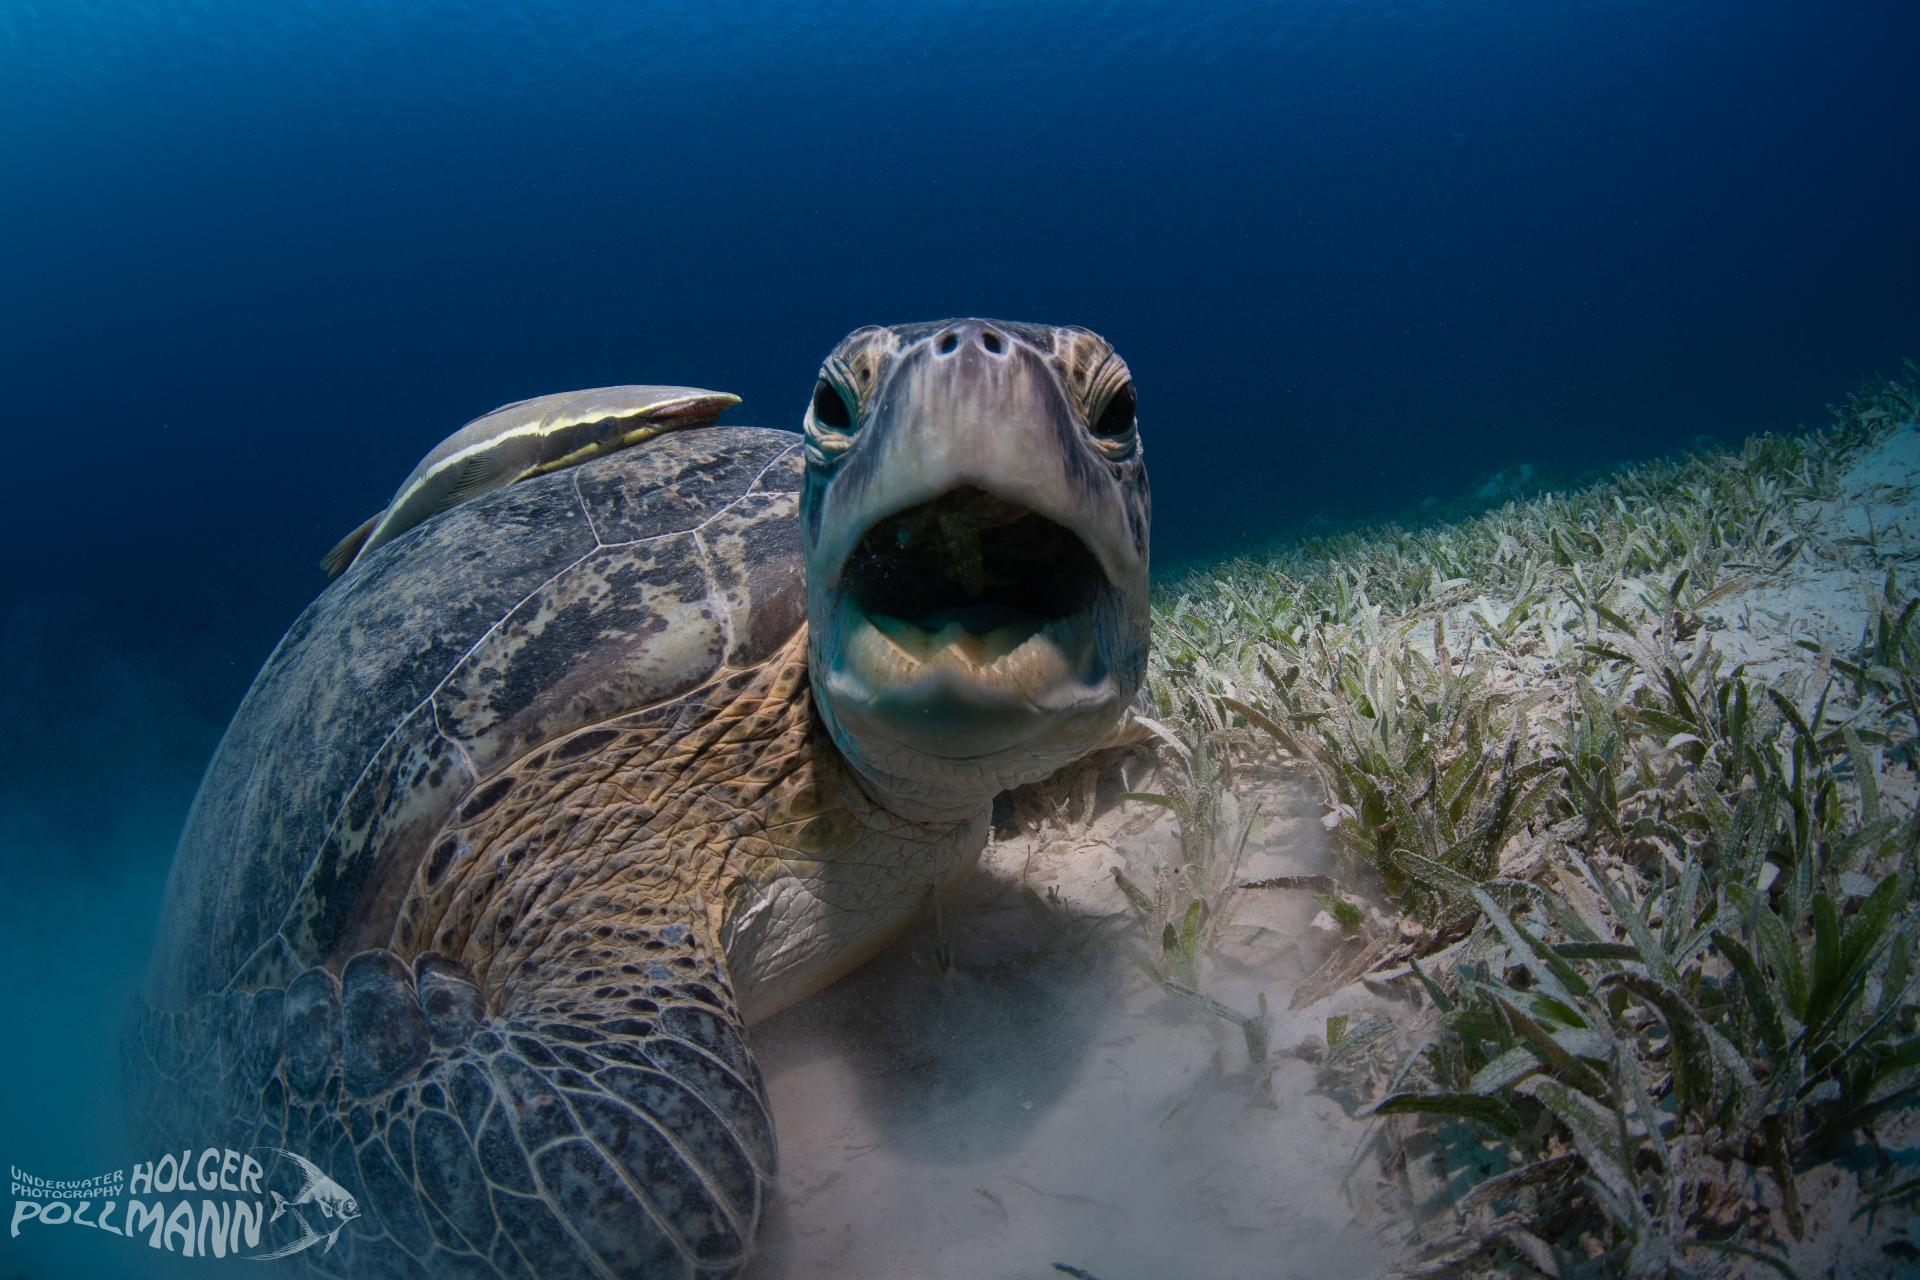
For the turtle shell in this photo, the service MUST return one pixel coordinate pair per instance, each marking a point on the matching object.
(491, 629)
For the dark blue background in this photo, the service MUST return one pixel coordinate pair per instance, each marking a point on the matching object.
(255, 259)
(256, 256)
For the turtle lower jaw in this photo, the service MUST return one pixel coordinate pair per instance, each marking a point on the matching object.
(1025, 658)
(958, 694)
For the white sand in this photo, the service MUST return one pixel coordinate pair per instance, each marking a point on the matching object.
(1037, 1108)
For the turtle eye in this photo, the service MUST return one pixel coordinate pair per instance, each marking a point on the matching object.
(830, 408)
(1116, 419)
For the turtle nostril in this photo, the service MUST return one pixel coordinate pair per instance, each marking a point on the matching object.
(993, 342)
(948, 341)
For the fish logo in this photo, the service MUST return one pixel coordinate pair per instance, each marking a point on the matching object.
(321, 1195)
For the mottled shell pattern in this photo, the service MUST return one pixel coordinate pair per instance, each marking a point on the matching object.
(500, 625)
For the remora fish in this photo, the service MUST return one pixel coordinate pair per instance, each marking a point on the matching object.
(525, 439)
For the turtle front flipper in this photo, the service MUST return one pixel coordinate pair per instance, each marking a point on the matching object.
(615, 1129)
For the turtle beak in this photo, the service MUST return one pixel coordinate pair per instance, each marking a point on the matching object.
(978, 592)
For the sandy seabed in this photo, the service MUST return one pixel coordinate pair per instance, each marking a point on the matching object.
(1035, 1107)
(1039, 1106)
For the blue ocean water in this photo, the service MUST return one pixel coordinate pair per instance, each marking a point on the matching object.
(254, 259)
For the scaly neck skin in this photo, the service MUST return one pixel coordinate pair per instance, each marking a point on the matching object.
(898, 781)
(730, 812)
(910, 798)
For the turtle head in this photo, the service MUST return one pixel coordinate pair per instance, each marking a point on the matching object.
(975, 521)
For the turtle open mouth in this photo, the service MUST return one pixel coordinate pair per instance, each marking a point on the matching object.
(973, 586)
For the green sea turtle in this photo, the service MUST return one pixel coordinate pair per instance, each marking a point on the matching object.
(530, 814)
(525, 439)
